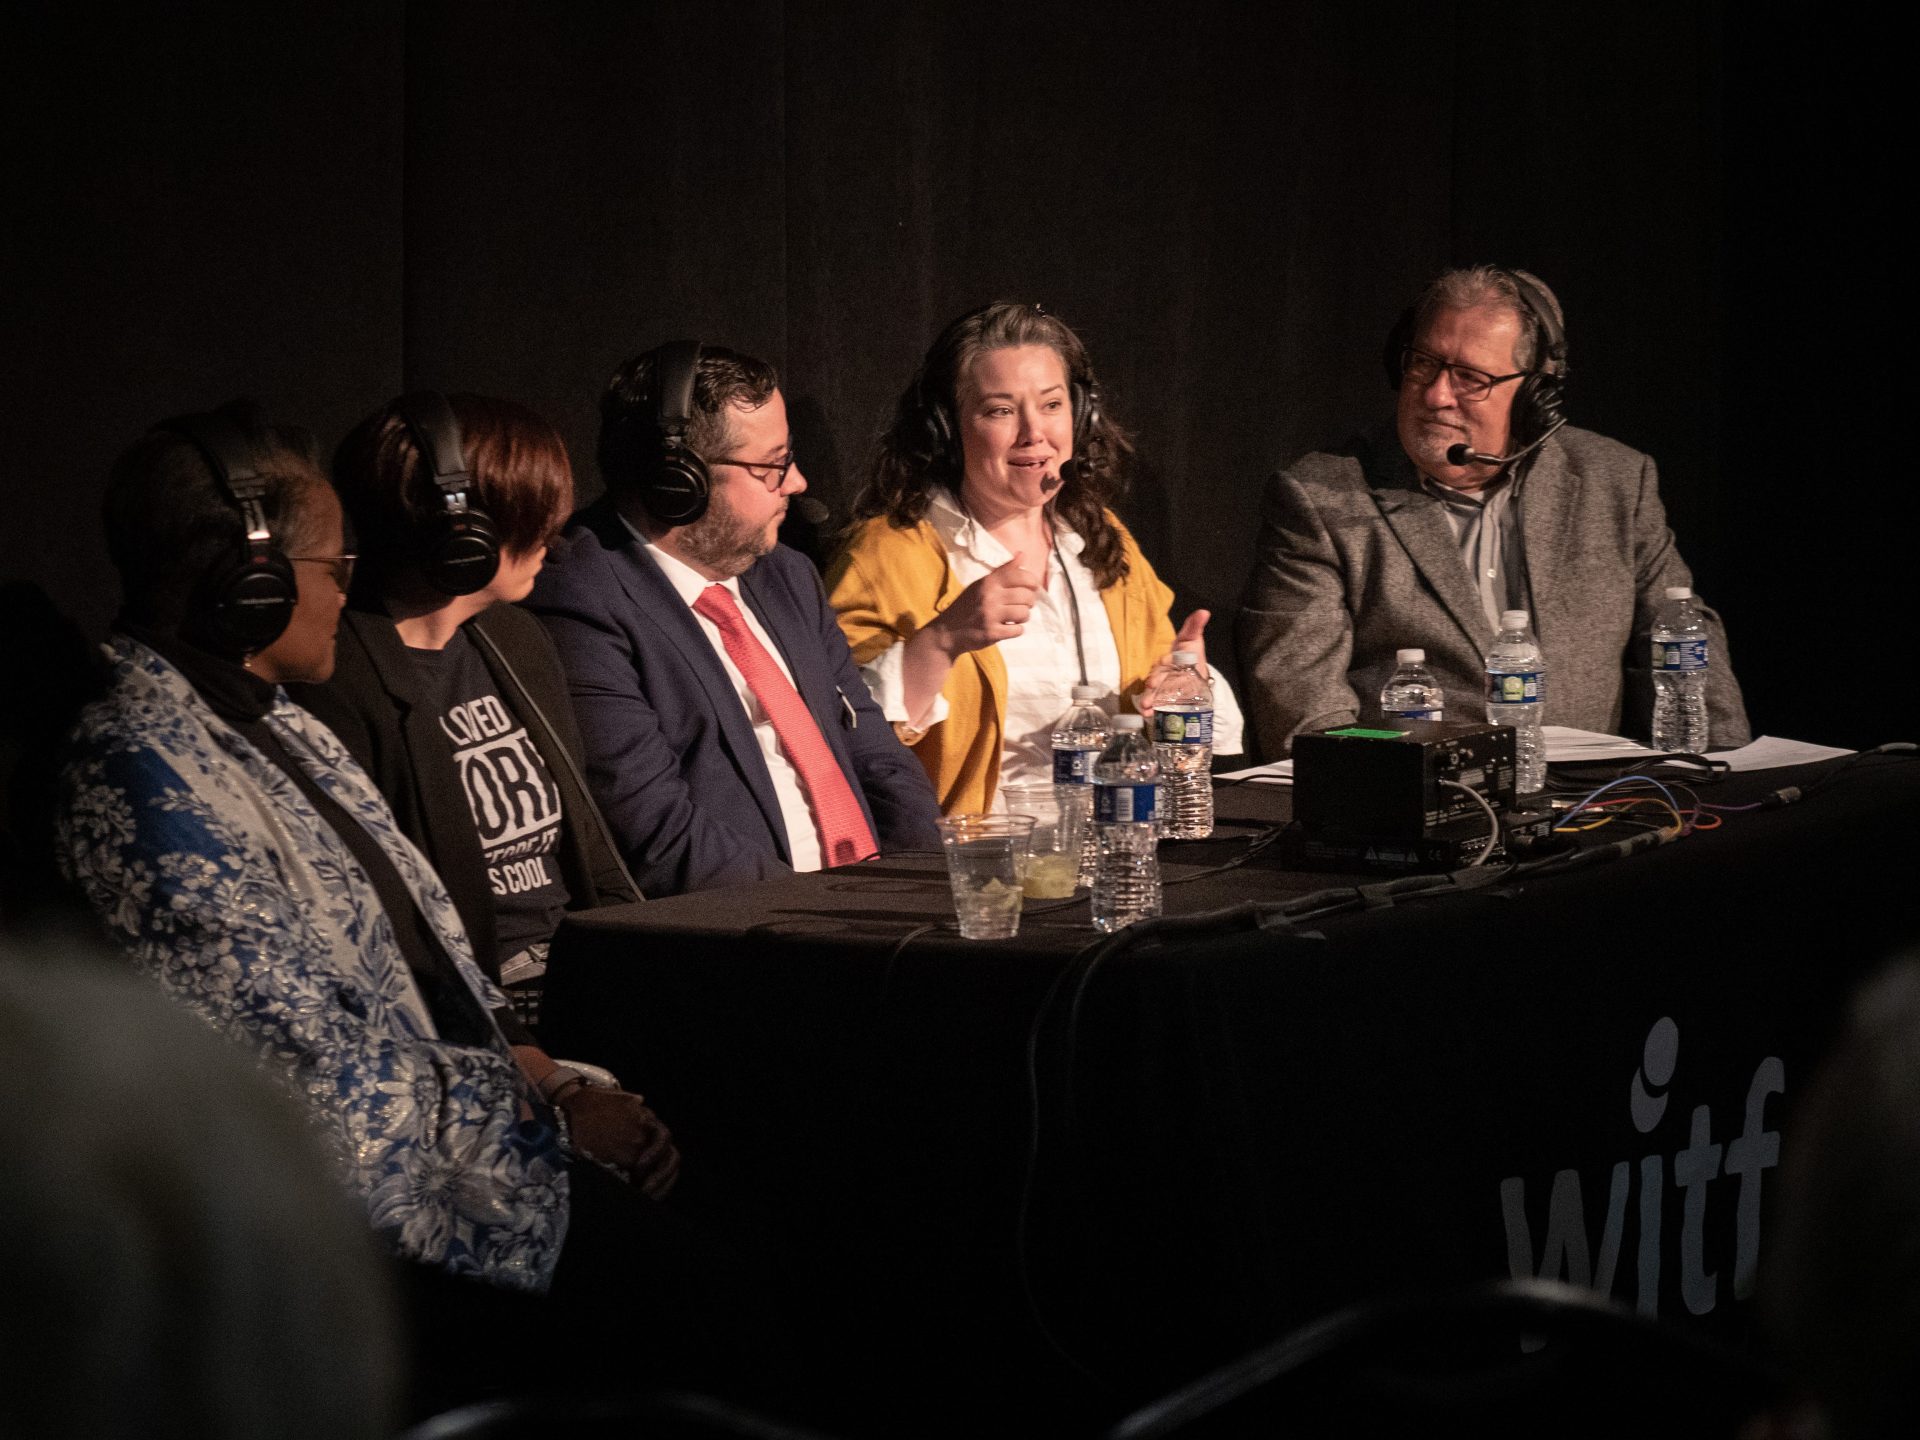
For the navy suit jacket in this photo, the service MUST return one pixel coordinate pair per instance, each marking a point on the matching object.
(671, 755)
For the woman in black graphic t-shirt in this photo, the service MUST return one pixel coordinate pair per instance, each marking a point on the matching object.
(454, 701)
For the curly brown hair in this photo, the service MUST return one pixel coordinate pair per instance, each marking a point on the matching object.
(920, 447)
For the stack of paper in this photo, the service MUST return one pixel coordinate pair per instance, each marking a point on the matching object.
(1567, 746)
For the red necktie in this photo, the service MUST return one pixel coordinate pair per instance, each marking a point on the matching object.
(844, 836)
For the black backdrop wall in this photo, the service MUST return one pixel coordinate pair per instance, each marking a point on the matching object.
(321, 205)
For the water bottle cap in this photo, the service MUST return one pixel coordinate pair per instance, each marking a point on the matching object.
(1679, 592)
(1513, 619)
(1185, 657)
(1129, 722)
(1410, 657)
(1085, 694)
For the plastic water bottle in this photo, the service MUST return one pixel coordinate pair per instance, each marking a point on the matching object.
(1411, 693)
(1680, 662)
(1078, 738)
(1126, 795)
(1183, 734)
(1517, 696)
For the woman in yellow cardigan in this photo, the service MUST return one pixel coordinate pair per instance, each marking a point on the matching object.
(986, 576)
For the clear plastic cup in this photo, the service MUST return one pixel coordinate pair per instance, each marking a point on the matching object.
(987, 865)
(1059, 830)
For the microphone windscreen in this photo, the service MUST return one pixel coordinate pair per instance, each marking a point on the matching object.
(812, 511)
(1458, 455)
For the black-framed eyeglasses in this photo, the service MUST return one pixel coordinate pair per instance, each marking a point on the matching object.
(342, 566)
(770, 473)
(1467, 383)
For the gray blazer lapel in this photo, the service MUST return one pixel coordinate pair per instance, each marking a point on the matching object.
(1420, 525)
(1549, 508)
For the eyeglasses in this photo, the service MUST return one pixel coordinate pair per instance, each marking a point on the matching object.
(342, 566)
(1467, 383)
(770, 473)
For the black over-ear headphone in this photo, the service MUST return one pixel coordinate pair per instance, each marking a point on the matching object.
(245, 601)
(1541, 397)
(672, 480)
(943, 436)
(458, 547)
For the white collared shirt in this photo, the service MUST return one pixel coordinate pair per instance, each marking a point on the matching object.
(1043, 663)
(796, 812)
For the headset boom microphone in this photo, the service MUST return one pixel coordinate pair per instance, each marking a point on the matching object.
(1464, 455)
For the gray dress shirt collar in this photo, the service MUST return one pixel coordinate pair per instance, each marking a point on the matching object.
(1486, 527)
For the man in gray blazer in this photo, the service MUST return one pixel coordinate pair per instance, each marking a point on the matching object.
(1478, 499)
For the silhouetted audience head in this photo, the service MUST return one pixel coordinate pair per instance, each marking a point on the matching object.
(1841, 1287)
(183, 1262)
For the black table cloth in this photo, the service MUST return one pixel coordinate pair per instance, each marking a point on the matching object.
(1093, 1171)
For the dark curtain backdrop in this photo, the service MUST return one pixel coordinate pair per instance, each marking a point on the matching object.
(319, 205)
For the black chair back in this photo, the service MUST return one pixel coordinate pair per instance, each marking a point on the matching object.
(1514, 1358)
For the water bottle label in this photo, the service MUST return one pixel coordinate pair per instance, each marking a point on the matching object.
(1183, 727)
(1417, 714)
(1680, 654)
(1521, 687)
(1074, 767)
(1125, 804)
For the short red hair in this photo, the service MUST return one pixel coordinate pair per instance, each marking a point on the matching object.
(521, 478)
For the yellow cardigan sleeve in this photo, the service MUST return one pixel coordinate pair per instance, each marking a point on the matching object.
(885, 585)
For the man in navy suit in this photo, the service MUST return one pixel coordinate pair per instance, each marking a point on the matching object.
(728, 733)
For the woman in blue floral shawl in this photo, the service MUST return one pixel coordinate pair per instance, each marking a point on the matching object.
(227, 840)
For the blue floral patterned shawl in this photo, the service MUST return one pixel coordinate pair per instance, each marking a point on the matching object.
(208, 864)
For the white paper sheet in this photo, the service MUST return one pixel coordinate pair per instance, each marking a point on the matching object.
(1768, 753)
(1566, 745)
(1280, 772)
